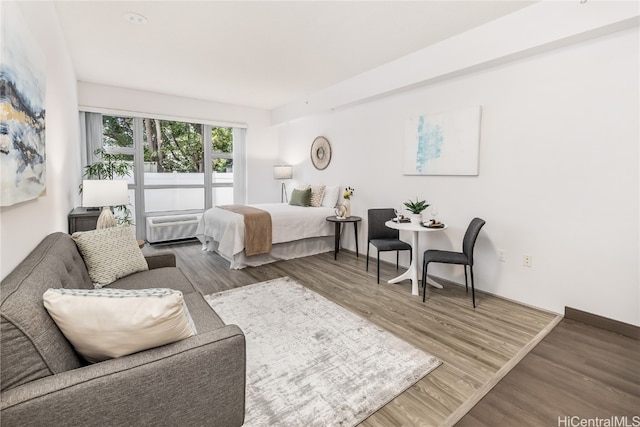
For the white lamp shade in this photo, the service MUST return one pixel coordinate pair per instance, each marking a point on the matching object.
(100, 193)
(283, 172)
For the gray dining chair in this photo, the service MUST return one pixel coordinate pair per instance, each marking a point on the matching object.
(383, 238)
(464, 258)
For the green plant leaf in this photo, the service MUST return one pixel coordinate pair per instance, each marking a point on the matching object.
(416, 207)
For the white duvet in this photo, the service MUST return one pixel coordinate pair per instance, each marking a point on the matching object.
(289, 223)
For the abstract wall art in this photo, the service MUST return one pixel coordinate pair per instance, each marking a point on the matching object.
(443, 143)
(22, 110)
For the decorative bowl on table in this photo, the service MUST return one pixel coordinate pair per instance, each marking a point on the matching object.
(401, 219)
(432, 224)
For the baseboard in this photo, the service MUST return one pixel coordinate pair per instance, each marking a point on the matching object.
(450, 282)
(601, 322)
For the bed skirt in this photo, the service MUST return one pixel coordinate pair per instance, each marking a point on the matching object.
(279, 251)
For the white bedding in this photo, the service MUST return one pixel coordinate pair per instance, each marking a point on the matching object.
(289, 224)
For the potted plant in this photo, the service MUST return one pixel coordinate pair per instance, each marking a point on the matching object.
(110, 167)
(416, 209)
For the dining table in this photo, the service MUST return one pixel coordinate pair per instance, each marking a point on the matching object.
(412, 272)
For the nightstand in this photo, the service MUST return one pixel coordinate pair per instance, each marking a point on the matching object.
(338, 229)
(83, 219)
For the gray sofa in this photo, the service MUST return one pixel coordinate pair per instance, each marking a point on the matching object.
(199, 381)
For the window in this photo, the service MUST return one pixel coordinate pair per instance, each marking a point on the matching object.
(222, 166)
(117, 133)
(174, 166)
(171, 162)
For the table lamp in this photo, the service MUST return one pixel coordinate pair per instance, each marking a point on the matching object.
(283, 172)
(104, 194)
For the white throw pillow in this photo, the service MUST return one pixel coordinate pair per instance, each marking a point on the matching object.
(317, 192)
(106, 323)
(331, 194)
(110, 253)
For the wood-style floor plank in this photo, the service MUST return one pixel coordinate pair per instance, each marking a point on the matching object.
(576, 371)
(473, 344)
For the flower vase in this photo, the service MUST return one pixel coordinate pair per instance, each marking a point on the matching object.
(347, 208)
(416, 218)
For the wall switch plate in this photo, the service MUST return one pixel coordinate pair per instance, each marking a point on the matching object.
(527, 260)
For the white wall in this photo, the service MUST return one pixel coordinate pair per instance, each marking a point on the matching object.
(558, 175)
(262, 147)
(23, 226)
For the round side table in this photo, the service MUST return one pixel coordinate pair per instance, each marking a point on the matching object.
(338, 229)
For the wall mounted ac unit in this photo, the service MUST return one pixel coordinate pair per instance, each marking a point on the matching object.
(172, 227)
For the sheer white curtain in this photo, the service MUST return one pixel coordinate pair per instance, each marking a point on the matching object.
(91, 136)
(239, 165)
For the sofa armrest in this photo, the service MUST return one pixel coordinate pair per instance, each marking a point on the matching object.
(165, 259)
(196, 381)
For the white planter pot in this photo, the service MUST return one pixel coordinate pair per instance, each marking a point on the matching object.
(347, 208)
(416, 218)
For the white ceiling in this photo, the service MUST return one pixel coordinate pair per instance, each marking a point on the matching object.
(261, 54)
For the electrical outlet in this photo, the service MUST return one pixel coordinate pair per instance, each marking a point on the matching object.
(527, 260)
(501, 257)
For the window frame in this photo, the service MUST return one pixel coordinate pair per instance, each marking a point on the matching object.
(238, 156)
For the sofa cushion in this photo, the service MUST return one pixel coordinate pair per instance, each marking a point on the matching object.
(110, 253)
(165, 277)
(107, 323)
(204, 317)
(31, 344)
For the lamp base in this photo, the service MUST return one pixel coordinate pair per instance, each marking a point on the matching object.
(283, 193)
(106, 219)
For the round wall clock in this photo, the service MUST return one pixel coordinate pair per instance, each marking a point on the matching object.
(320, 152)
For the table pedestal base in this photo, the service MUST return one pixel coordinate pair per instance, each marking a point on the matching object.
(412, 272)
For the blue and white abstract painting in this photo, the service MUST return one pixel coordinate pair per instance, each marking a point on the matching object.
(443, 143)
(22, 110)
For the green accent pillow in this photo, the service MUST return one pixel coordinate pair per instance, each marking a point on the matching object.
(300, 197)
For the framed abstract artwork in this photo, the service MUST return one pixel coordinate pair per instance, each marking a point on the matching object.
(442, 143)
(22, 110)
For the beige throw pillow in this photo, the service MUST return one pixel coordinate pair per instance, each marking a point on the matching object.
(107, 323)
(110, 253)
(317, 191)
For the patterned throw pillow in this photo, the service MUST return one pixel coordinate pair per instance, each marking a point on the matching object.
(110, 253)
(317, 191)
(106, 323)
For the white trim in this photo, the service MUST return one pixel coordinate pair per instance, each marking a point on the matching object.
(129, 113)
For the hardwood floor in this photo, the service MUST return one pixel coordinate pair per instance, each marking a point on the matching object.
(577, 370)
(477, 347)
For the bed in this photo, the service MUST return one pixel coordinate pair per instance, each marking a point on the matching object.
(296, 232)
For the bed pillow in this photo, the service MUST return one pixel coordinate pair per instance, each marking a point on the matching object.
(317, 192)
(110, 253)
(300, 197)
(330, 199)
(296, 185)
(105, 323)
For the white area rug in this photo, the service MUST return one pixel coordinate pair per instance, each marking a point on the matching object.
(310, 362)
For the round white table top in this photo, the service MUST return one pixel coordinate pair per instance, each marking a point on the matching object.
(409, 226)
